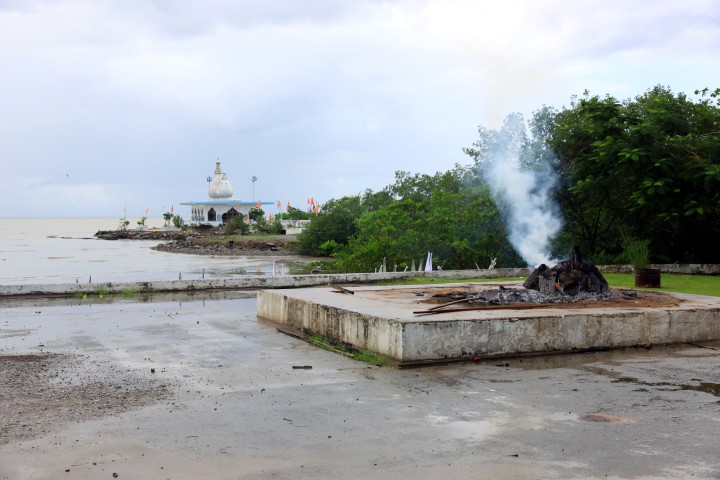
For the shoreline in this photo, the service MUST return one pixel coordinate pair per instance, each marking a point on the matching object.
(208, 242)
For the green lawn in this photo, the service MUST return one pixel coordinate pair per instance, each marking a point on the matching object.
(670, 282)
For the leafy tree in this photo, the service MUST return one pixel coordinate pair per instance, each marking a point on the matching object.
(333, 226)
(236, 225)
(647, 167)
(461, 229)
(256, 214)
(264, 226)
(450, 214)
(294, 214)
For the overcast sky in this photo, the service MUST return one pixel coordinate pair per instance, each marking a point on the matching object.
(111, 103)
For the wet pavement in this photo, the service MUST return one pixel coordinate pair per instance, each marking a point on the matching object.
(224, 401)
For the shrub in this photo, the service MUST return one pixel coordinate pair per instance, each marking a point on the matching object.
(237, 224)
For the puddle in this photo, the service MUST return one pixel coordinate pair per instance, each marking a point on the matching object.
(705, 387)
(473, 429)
(711, 388)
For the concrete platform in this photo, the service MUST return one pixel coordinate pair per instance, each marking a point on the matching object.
(381, 319)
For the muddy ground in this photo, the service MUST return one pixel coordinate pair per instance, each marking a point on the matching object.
(196, 387)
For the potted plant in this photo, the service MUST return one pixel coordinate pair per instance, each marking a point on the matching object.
(637, 252)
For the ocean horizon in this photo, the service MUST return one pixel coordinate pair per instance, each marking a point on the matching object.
(41, 250)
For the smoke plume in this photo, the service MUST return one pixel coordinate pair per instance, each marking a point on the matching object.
(521, 182)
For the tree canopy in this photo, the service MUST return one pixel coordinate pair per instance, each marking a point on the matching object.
(647, 167)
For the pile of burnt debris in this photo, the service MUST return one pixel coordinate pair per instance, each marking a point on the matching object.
(569, 281)
(570, 277)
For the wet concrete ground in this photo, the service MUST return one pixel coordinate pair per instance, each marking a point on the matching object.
(237, 409)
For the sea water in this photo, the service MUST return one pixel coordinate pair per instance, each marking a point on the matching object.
(64, 250)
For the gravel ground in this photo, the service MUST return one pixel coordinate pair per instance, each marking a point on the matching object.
(40, 393)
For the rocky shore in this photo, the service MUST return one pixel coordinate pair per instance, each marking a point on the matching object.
(207, 242)
(244, 247)
(145, 234)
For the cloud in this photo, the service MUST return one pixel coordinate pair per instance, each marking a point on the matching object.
(314, 97)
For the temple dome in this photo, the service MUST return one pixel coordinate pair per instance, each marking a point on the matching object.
(219, 187)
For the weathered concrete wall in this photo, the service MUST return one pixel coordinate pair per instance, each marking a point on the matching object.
(263, 281)
(292, 281)
(380, 319)
(356, 328)
(428, 341)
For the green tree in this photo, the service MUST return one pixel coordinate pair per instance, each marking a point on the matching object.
(167, 216)
(450, 214)
(256, 213)
(237, 225)
(647, 167)
(333, 226)
(294, 214)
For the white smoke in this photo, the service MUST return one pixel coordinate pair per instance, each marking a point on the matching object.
(524, 195)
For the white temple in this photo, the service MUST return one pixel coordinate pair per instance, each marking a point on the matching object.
(220, 206)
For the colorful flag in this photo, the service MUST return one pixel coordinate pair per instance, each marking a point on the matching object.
(279, 204)
(147, 210)
(259, 204)
(172, 209)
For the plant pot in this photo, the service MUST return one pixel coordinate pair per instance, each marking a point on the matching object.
(647, 277)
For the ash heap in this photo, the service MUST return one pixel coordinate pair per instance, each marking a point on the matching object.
(572, 277)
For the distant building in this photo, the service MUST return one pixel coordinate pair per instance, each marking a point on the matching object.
(220, 206)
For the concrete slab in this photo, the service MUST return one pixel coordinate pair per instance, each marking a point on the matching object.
(239, 410)
(381, 319)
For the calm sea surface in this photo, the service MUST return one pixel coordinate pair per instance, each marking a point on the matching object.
(63, 250)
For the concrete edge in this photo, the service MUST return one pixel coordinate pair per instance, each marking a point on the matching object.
(295, 281)
(256, 282)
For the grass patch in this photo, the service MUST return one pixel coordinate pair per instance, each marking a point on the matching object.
(101, 292)
(435, 280)
(349, 351)
(671, 282)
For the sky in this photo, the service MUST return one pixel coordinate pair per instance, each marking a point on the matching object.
(109, 106)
